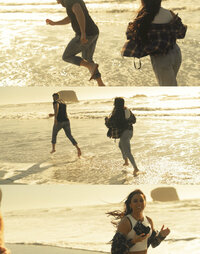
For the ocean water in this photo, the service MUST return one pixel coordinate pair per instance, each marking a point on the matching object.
(165, 143)
(88, 227)
(31, 51)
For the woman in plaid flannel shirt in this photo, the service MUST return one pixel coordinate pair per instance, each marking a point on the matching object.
(122, 119)
(127, 239)
(154, 32)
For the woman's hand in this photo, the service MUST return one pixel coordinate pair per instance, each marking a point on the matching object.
(50, 22)
(140, 238)
(164, 232)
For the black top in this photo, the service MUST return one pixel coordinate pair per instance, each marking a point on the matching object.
(90, 27)
(62, 114)
(118, 120)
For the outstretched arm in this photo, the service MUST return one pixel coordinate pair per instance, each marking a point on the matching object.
(80, 16)
(64, 21)
(164, 231)
(157, 237)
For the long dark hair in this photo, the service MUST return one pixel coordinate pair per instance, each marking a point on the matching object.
(62, 2)
(118, 114)
(117, 214)
(145, 17)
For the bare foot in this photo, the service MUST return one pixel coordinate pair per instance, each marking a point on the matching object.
(136, 172)
(126, 162)
(53, 151)
(79, 152)
(93, 67)
(101, 84)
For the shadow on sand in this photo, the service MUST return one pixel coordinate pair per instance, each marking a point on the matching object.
(35, 169)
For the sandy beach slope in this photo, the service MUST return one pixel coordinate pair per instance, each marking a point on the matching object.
(32, 249)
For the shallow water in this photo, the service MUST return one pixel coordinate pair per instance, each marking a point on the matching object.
(64, 227)
(165, 143)
(162, 149)
(31, 51)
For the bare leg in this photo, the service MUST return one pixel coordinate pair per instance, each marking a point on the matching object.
(124, 145)
(92, 68)
(78, 151)
(100, 82)
(135, 172)
(126, 162)
(53, 148)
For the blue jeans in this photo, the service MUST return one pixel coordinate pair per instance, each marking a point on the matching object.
(125, 147)
(166, 66)
(75, 47)
(66, 127)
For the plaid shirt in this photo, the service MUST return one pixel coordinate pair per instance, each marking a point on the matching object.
(120, 244)
(160, 38)
(114, 130)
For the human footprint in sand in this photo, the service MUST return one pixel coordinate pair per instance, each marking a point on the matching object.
(3, 249)
(135, 231)
(86, 35)
(61, 121)
(121, 121)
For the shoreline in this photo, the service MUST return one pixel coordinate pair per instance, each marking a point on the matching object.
(39, 94)
(18, 248)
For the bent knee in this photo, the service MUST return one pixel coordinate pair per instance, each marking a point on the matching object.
(65, 57)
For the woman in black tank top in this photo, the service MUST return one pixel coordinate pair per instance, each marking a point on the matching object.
(61, 121)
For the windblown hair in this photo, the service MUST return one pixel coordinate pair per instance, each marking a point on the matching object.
(117, 214)
(118, 114)
(145, 17)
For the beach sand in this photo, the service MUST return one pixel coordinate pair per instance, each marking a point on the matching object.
(32, 249)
